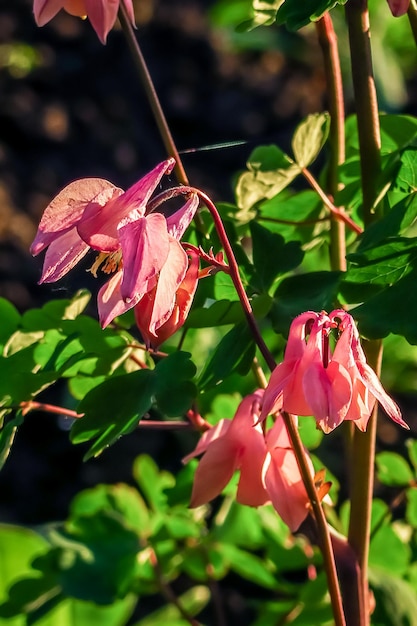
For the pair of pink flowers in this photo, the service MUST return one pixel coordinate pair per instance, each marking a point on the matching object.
(266, 462)
(140, 247)
(101, 13)
(331, 384)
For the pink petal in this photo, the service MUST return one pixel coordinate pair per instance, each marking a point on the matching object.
(178, 222)
(329, 392)
(280, 377)
(67, 208)
(250, 489)
(398, 7)
(45, 10)
(285, 488)
(145, 247)
(99, 226)
(110, 302)
(214, 471)
(277, 436)
(371, 380)
(62, 255)
(217, 431)
(171, 276)
(296, 345)
(102, 15)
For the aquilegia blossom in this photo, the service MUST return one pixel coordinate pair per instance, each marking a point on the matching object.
(101, 13)
(267, 464)
(331, 385)
(156, 329)
(142, 248)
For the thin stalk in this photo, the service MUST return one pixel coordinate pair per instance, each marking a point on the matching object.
(328, 42)
(337, 213)
(151, 94)
(412, 18)
(363, 445)
(322, 527)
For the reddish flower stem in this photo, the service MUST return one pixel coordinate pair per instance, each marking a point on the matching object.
(337, 213)
(328, 42)
(31, 405)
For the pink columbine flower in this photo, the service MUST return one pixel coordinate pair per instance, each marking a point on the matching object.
(232, 445)
(137, 245)
(398, 7)
(156, 328)
(101, 13)
(331, 385)
(267, 464)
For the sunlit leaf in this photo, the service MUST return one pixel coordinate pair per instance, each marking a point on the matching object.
(309, 138)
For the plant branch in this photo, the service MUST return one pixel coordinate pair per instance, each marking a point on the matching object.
(328, 42)
(412, 17)
(32, 405)
(338, 214)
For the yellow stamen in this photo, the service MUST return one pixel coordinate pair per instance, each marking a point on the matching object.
(110, 262)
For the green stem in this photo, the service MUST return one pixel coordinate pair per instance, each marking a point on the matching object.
(328, 42)
(363, 445)
(412, 18)
(151, 94)
(366, 102)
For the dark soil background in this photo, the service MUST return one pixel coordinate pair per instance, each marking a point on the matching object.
(78, 110)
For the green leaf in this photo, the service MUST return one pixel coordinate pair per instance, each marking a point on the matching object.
(152, 481)
(239, 525)
(311, 435)
(248, 566)
(381, 315)
(393, 470)
(272, 256)
(113, 409)
(121, 499)
(384, 264)
(411, 510)
(309, 138)
(270, 171)
(388, 551)
(314, 291)
(295, 14)
(193, 602)
(173, 387)
(95, 556)
(412, 451)
(7, 434)
(225, 312)
(10, 320)
(401, 217)
(234, 353)
(396, 600)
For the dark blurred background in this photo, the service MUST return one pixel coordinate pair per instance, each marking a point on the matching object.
(71, 107)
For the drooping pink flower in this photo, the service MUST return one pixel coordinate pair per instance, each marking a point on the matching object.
(332, 386)
(133, 243)
(232, 445)
(267, 464)
(157, 317)
(398, 7)
(101, 13)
